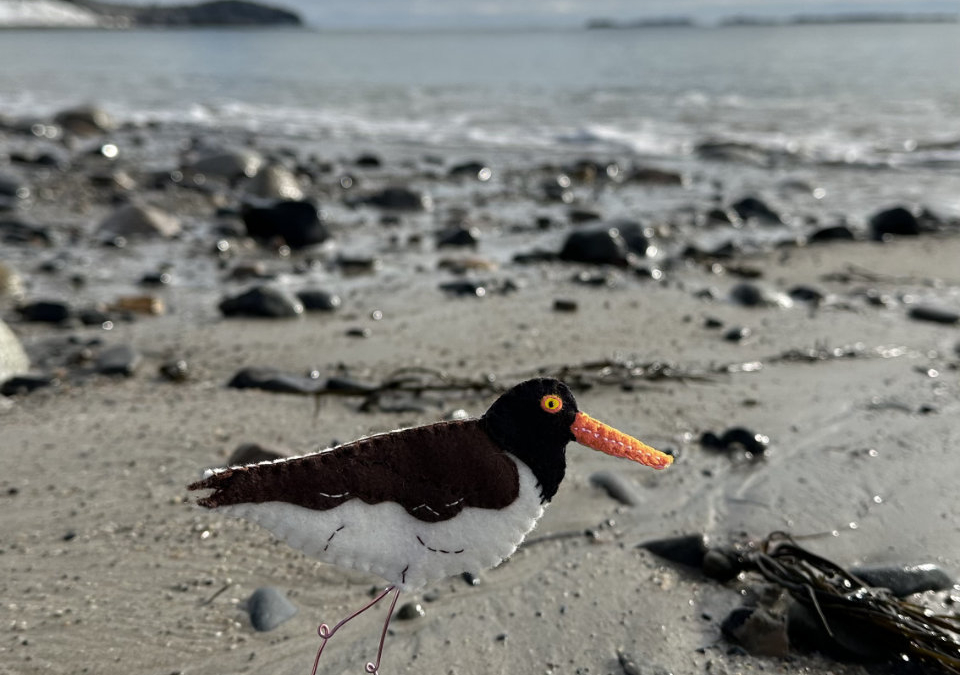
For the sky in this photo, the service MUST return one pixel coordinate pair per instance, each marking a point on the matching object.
(413, 13)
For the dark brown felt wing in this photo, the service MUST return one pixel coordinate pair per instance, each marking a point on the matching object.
(432, 471)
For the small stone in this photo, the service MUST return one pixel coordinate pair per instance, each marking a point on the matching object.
(271, 379)
(118, 360)
(252, 453)
(753, 208)
(758, 631)
(268, 608)
(472, 169)
(275, 182)
(19, 385)
(315, 300)
(687, 549)
(833, 233)
(262, 301)
(721, 564)
(896, 221)
(134, 221)
(562, 305)
(806, 294)
(470, 579)
(176, 370)
(599, 247)
(752, 295)
(228, 165)
(935, 314)
(458, 237)
(410, 610)
(631, 666)
(904, 580)
(297, 223)
(617, 486)
(359, 332)
(737, 334)
(85, 120)
(399, 199)
(45, 311)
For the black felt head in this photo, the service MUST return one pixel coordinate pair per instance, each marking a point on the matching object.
(532, 421)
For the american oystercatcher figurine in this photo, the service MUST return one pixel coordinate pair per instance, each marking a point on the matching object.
(418, 505)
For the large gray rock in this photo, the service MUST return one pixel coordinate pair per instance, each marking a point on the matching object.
(134, 221)
(13, 360)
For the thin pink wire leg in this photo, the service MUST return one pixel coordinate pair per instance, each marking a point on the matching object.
(373, 668)
(325, 632)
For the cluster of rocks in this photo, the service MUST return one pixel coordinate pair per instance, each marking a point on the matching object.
(265, 220)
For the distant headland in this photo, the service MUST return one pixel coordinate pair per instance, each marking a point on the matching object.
(95, 14)
(798, 20)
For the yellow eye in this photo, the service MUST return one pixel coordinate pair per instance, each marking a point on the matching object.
(551, 403)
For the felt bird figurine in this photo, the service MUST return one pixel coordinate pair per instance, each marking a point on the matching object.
(417, 505)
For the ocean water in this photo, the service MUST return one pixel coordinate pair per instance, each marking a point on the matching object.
(886, 95)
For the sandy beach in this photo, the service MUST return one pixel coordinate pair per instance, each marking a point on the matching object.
(106, 566)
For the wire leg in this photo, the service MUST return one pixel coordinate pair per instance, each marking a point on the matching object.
(373, 668)
(325, 632)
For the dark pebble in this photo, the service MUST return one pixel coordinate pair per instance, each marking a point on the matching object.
(470, 579)
(737, 439)
(634, 234)
(561, 305)
(359, 332)
(368, 161)
(319, 301)
(93, 316)
(410, 610)
(471, 169)
(617, 486)
(806, 294)
(398, 199)
(297, 223)
(750, 295)
(177, 370)
(758, 631)
(458, 237)
(598, 247)
(268, 608)
(896, 221)
(271, 379)
(156, 279)
(737, 334)
(19, 385)
(578, 216)
(262, 301)
(252, 453)
(722, 565)
(751, 208)
(935, 314)
(118, 360)
(687, 549)
(474, 289)
(832, 233)
(45, 311)
(904, 580)
(712, 323)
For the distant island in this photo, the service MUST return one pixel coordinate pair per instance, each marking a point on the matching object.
(798, 20)
(94, 14)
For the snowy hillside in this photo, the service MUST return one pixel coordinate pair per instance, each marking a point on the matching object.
(43, 13)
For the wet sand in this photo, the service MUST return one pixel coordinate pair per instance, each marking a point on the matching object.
(106, 567)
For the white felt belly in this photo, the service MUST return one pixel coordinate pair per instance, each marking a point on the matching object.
(386, 540)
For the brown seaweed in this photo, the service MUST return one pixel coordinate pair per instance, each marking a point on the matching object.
(842, 601)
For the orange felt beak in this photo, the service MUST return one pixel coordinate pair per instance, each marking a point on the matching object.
(599, 436)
